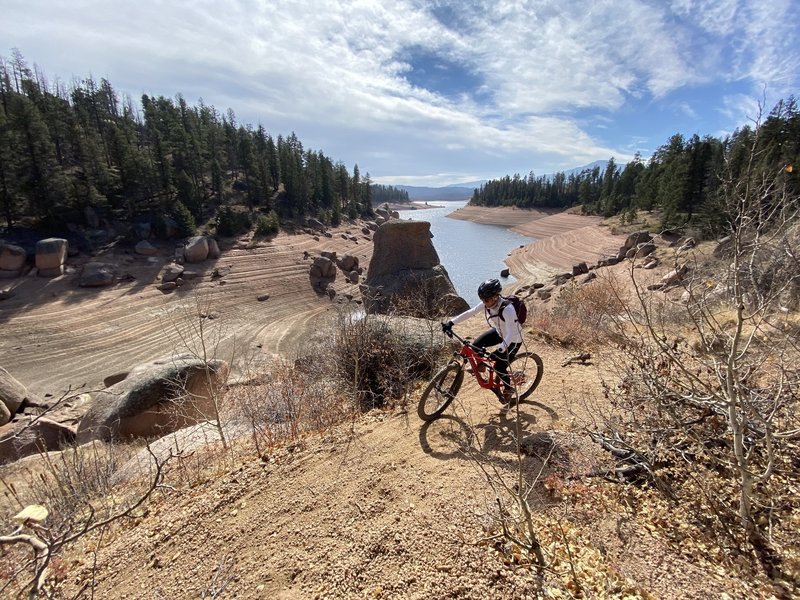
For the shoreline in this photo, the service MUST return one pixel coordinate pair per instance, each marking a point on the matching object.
(561, 239)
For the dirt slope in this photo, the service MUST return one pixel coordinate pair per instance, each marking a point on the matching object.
(385, 507)
(83, 335)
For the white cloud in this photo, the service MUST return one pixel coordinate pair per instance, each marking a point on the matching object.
(336, 70)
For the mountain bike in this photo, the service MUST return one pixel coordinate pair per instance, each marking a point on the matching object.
(525, 371)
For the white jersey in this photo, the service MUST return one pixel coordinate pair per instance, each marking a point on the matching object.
(508, 326)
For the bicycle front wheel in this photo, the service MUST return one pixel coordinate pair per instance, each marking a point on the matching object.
(526, 370)
(440, 391)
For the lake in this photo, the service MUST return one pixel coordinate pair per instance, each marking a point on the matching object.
(470, 252)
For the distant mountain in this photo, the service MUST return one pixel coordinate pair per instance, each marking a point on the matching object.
(468, 184)
(598, 163)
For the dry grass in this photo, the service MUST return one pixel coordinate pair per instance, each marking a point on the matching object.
(581, 314)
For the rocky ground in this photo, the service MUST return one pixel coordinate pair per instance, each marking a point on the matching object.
(386, 507)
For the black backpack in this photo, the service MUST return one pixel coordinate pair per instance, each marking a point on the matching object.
(519, 306)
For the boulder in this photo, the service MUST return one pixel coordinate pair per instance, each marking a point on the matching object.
(316, 224)
(674, 277)
(156, 398)
(196, 249)
(383, 211)
(580, 269)
(405, 275)
(171, 272)
(213, 249)
(632, 241)
(97, 274)
(12, 258)
(505, 273)
(50, 256)
(608, 261)
(323, 267)
(644, 249)
(651, 262)
(145, 248)
(33, 435)
(562, 278)
(12, 392)
(167, 286)
(348, 262)
(199, 248)
(687, 244)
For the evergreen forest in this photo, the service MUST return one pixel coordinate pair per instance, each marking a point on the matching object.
(65, 148)
(683, 180)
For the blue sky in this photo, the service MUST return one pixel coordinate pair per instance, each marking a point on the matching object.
(436, 92)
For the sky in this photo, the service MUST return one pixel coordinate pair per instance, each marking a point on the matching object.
(437, 92)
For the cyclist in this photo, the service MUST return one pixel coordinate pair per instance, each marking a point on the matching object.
(505, 330)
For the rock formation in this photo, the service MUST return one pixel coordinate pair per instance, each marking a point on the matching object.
(154, 399)
(405, 275)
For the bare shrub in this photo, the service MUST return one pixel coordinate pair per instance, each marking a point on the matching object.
(292, 399)
(712, 419)
(194, 332)
(580, 314)
(377, 358)
(82, 507)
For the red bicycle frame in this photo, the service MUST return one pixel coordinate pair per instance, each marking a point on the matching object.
(482, 366)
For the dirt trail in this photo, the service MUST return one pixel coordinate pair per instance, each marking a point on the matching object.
(388, 507)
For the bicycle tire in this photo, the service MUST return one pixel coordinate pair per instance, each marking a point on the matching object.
(533, 367)
(442, 388)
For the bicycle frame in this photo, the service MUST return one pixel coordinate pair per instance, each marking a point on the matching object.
(479, 361)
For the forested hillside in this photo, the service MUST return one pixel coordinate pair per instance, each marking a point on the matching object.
(682, 179)
(64, 148)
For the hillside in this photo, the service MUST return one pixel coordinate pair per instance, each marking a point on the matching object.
(381, 506)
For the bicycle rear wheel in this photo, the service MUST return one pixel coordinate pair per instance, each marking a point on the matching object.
(526, 371)
(440, 391)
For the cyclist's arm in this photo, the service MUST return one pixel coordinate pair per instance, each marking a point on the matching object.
(471, 312)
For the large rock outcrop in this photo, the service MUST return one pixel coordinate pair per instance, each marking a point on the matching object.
(155, 399)
(12, 395)
(12, 260)
(405, 275)
(51, 254)
(33, 435)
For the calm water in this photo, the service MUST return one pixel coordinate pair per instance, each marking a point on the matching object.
(470, 252)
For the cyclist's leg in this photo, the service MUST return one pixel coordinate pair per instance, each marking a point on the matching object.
(488, 338)
(501, 364)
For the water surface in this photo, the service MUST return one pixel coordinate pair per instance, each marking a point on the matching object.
(471, 252)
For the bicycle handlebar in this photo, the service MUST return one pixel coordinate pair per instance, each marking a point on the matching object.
(452, 334)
